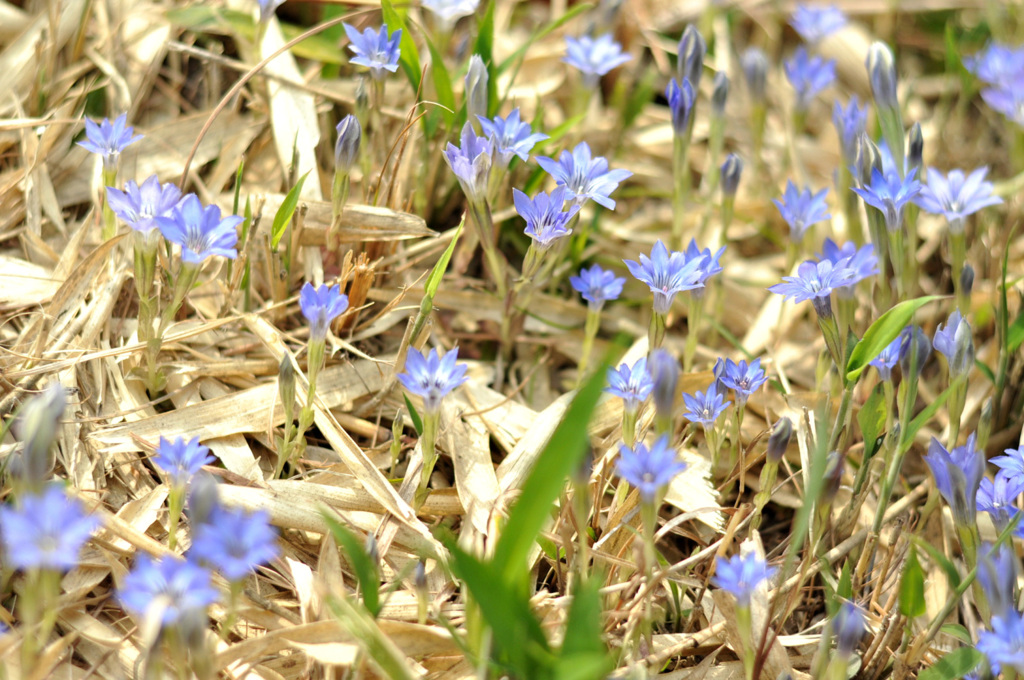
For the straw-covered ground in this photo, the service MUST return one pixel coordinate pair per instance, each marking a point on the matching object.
(531, 552)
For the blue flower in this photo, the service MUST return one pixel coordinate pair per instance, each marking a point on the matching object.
(801, 209)
(691, 52)
(850, 123)
(376, 51)
(862, 262)
(996, 64)
(808, 75)
(890, 356)
(1011, 464)
(45, 531)
(200, 231)
(597, 286)
(705, 407)
(179, 590)
(997, 499)
(594, 57)
(109, 139)
(632, 385)
(649, 470)
(510, 137)
(710, 262)
(680, 101)
(140, 206)
(957, 196)
(432, 376)
(450, 11)
(814, 23)
(235, 542)
(958, 475)
(321, 305)
(585, 177)
(954, 342)
(471, 162)
(889, 194)
(667, 274)
(741, 575)
(1004, 645)
(915, 354)
(742, 378)
(267, 9)
(848, 624)
(814, 281)
(181, 459)
(1007, 100)
(545, 219)
(997, 574)
(882, 76)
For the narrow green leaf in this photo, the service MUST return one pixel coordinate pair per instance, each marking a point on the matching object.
(883, 331)
(436, 274)
(926, 414)
(872, 419)
(442, 84)
(238, 187)
(285, 212)
(366, 572)
(912, 587)
(484, 46)
(583, 625)
(582, 667)
(952, 575)
(417, 422)
(409, 59)
(956, 664)
(845, 589)
(957, 631)
(1015, 333)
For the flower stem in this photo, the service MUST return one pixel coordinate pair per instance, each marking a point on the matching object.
(693, 321)
(656, 333)
(590, 329)
(681, 174)
(175, 503)
(958, 255)
(109, 220)
(429, 452)
(339, 196)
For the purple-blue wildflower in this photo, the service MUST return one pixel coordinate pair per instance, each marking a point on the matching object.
(597, 286)
(139, 206)
(321, 305)
(1011, 464)
(956, 196)
(915, 354)
(179, 590)
(450, 11)
(510, 137)
(732, 170)
(851, 122)
(953, 340)
(705, 407)
(814, 281)
(235, 542)
(808, 75)
(801, 209)
(861, 261)
(632, 385)
(649, 469)
(109, 139)
(958, 475)
(201, 232)
(889, 194)
(585, 177)
(889, 357)
(741, 575)
(710, 262)
(45, 531)
(691, 52)
(882, 76)
(848, 625)
(546, 221)
(594, 57)
(1004, 645)
(997, 497)
(432, 376)
(1007, 100)
(742, 378)
(667, 274)
(814, 23)
(996, 64)
(997, 574)
(681, 99)
(471, 162)
(180, 459)
(377, 51)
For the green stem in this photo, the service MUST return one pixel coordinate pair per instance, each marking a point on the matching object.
(693, 321)
(958, 253)
(175, 503)
(681, 175)
(767, 483)
(590, 329)
(109, 219)
(649, 516)
(656, 332)
(427, 447)
(745, 624)
(339, 197)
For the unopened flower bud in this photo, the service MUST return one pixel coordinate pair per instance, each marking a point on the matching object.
(346, 148)
(202, 499)
(967, 280)
(848, 625)
(732, 169)
(664, 370)
(918, 349)
(692, 49)
(286, 384)
(362, 99)
(719, 94)
(755, 72)
(778, 442)
(419, 576)
(476, 88)
(869, 158)
(915, 149)
(833, 476)
(36, 428)
(371, 550)
(882, 74)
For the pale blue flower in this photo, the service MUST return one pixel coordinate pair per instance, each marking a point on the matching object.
(649, 469)
(594, 57)
(377, 51)
(956, 196)
(201, 232)
(801, 209)
(597, 286)
(109, 139)
(432, 376)
(321, 305)
(667, 274)
(808, 75)
(510, 137)
(140, 206)
(471, 162)
(584, 176)
(741, 575)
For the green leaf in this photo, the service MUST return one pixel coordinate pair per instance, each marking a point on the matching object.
(583, 625)
(1015, 333)
(366, 571)
(484, 47)
(872, 419)
(845, 589)
(985, 370)
(882, 332)
(912, 587)
(442, 84)
(417, 422)
(434, 278)
(285, 212)
(926, 414)
(409, 59)
(957, 631)
(956, 664)
(952, 575)
(582, 667)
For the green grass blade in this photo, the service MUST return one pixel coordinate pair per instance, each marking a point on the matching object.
(286, 212)
(366, 572)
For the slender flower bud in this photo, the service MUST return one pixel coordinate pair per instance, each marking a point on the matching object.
(848, 625)
(719, 94)
(36, 428)
(419, 577)
(202, 499)
(362, 99)
(915, 149)
(732, 169)
(346, 149)
(953, 340)
(681, 100)
(778, 442)
(967, 280)
(755, 72)
(476, 88)
(997, 574)
(882, 74)
(692, 49)
(371, 549)
(286, 385)
(869, 158)
(664, 370)
(918, 349)
(833, 476)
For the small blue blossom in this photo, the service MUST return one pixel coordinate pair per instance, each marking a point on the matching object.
(374, 50)
(321, 305)
(1007, 100)
(953, 340)
(889, 357)
(956, 196)
(848, 625)
(1004, 645)
(801, 209)
(710, 262)
(808, 75)
(742, 378)
(649, 470)
(1011, 464)
(450, 11)
(235, 542)
(667, 274)
(958, 475)
(432, 376)
(997, 574)
(814, 281)
(918, 349)
(889, 194)
(814, 23)
(997, 64)
(510, 137)
(584, 176)
(180, 460)
(471, 162)
(681, 99)
(705, 407)
(632, 385)
(200, 231)
(109, 139)
(597, 286)
(180, 590)
(140, 206)
(594, 57)
(45, 531)
(741, 575)
(997, 499)
(861, 261)
(850, 123)
(267, 9)
(546, 222)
